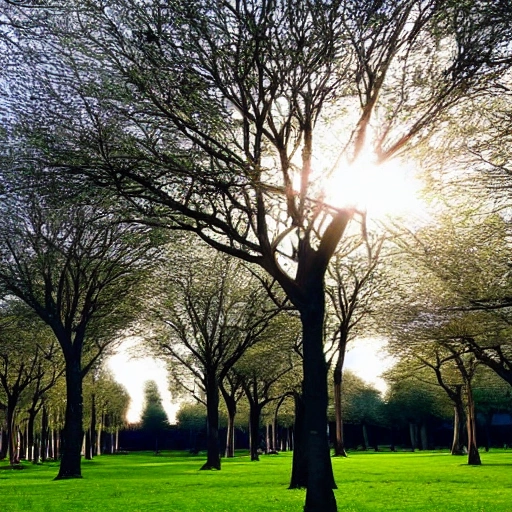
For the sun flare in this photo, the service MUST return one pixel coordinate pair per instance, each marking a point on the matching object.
(391, 189)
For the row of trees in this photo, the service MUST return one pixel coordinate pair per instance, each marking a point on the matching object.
(217, 118)
(411, 415)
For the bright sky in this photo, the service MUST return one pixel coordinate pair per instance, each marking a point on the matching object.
(364, 357)
(132, 372)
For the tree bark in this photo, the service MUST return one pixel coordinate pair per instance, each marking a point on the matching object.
(299, 477)
(319, 494)
(254, 430)
(458, 425)
(339, 445)
(230, 436)
(71, 443)
(473, 455)
(12, 446)
(366, 443)
(424, 436)
(212, 414)
(413, 436)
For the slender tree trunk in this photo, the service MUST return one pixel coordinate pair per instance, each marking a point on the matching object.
(230, 436)
(412, 435)
(268, 438)
(275, 436)
(212, 414)
(92, 428)
(88, 445)
(12, 434)
(458, 425)
(254, 429)
(319, 494)
(424, 436)
(36, 454)
(299, 477)
(3, 443)
(72, 432)
(366, 443)
(473, 455)
(44, 434)
(97, 450)
(339, 445)
(30, 434)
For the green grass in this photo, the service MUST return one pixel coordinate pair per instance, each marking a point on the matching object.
(426, 481)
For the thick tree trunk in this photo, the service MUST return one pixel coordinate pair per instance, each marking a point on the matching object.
(299, 477)
(319, 494)
(473, 455)
(212, 414)
(71, 443)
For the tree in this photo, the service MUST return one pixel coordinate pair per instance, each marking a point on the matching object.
(154, 418)
(28, 368)
(206, 323)
(414, 399)
(207, 114)
(362, 404)
(72, 261)
(268, 371)
(352, 286)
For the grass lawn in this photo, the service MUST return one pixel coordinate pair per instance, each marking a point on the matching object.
(425, 481)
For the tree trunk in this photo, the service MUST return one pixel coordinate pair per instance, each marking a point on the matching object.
(424, 436)
(412, 435)
(254, 430)
(268, 438)
(366, 443)
(473, 455)
(30, 434)
(299, 477)
(88, 445)
(212, 414)
(230, 436)
(92, 428)
(458, 422)
(339, 445)
(71, 443)
(12, 446)
(36, 449)
(97, 450)
(319, 494)
(3, 443)
(44, 434)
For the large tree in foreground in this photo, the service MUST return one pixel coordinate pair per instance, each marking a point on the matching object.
(226, 118)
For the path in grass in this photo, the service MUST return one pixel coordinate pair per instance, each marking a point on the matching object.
(172, 482)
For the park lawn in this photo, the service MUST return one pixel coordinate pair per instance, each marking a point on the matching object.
(425, 481)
